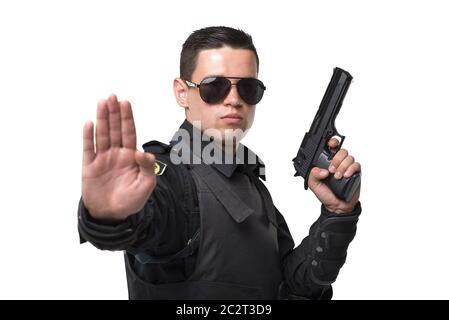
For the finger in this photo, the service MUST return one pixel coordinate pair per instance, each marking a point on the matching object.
(344, 165)
(353, 168)
(316, 175)
(127, 125)
(333, 143)
(115, 132)
(146, 161)
(102, 127)
(337, 159)
(88, 143)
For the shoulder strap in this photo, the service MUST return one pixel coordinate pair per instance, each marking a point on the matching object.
(155, 146)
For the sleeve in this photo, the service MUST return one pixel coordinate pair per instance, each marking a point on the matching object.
(311, 268)
(158, 228)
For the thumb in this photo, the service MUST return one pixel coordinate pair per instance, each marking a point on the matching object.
(316, 175)
(146, 162)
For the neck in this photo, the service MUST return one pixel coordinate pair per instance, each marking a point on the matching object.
(229, 147)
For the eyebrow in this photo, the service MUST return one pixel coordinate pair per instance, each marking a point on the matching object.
(213, 76)
(220, 75)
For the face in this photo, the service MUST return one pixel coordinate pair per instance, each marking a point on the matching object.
(232, 112)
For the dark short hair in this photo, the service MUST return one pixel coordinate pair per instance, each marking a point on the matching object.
(212, 38)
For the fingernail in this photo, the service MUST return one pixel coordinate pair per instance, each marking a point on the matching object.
(337, 175)
(346, 175)
(323, 171)
(332, 169)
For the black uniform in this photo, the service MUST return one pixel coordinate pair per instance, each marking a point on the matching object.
(212, 232)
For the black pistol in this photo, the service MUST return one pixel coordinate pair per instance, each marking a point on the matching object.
(314, 151)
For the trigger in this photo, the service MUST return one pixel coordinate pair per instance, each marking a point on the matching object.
(340, 138)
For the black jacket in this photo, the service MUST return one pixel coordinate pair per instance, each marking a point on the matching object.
(165, 224)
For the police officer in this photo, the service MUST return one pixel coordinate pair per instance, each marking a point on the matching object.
(193, 216)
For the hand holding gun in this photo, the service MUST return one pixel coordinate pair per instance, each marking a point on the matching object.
(336, 168)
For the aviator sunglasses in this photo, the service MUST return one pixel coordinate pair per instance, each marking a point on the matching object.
(215, 89)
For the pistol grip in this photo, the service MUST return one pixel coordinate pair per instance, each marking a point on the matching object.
(344, 188)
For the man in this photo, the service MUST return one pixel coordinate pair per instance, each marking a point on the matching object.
(194, 218)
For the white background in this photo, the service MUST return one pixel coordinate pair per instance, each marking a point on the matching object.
(57, 58)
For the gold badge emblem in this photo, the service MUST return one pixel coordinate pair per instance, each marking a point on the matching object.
(159, 167)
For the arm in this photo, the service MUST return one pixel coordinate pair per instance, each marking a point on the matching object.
(311, 268)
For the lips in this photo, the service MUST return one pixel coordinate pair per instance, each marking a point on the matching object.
(232, 119)
(232, 116)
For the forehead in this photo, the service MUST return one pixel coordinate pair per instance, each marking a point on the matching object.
(225, 61)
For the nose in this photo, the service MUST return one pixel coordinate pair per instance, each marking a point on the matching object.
(233, 97)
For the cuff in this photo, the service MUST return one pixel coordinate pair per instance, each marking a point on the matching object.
(106, 234)
(328, 214)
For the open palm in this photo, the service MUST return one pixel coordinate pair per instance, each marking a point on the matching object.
(117, 179)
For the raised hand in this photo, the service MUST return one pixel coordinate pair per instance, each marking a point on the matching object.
(117, 179)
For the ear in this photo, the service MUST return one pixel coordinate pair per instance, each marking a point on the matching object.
(180, 91)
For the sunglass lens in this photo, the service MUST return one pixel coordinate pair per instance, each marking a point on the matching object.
(213, 90)
(251, 90)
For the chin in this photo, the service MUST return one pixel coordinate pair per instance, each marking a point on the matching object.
(231, 131)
